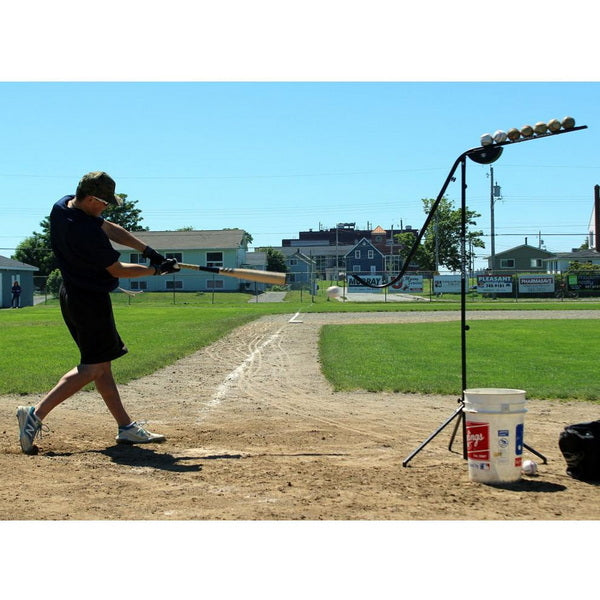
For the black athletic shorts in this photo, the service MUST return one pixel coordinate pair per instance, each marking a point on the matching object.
(90, 320)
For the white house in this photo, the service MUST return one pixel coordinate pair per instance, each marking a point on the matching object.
(559, 263)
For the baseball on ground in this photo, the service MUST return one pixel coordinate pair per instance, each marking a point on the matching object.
(529, 467)
(334, 291)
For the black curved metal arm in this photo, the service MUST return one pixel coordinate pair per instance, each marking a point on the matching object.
(421, 233)
(481, 155)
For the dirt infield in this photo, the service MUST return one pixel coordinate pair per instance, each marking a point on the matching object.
(255, 432)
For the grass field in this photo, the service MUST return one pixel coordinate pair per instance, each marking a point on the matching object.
(160, 328)
(547, 358)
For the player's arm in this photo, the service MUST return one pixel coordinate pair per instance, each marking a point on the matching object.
(120, 235)
(130, 270)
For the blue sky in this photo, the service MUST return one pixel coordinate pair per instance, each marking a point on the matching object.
(276, 158)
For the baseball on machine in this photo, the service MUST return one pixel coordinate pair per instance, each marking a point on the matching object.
(486, 139)
(513, 134)
(529, 467)
(500, 136)
(554, 125)
(527, 131)
(334, 291)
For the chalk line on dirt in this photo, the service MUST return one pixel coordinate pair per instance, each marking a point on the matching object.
(234, 375)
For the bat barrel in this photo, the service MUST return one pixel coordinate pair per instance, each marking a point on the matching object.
(269, 277)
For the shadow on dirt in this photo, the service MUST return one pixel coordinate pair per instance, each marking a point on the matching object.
(134, 456)
(530, 485)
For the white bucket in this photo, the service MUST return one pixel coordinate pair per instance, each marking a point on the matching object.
(494, 423)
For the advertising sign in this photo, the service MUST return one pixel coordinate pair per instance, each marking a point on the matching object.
(408, 284)
(499, 284)
(584, 282)
(533, 284)
(446, 284)
(355, 286)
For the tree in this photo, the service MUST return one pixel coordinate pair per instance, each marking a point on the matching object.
(443, 237)
(35, 250)
(577, 267)
(126, 215)
(276, 261)
(53, 283)
(406, 241)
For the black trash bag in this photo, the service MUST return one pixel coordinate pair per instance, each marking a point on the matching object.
(580, 446)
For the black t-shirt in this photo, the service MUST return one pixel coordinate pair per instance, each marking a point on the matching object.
(82, 249)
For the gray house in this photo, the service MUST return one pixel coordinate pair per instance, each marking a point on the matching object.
(208, 248)
(520, 259)
(11, 271)
(301, 268)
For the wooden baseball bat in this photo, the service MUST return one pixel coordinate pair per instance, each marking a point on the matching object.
(271, 277)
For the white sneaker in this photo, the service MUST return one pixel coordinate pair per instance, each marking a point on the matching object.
(136, 434)
(29, 428)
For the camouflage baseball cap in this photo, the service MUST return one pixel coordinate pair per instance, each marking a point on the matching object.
(101, 185)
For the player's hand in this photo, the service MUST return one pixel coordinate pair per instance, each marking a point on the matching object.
(166, 266)
(155, 258)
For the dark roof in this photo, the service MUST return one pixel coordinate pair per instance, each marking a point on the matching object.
(578, 254)
(537, 250)
(15, 265)
(360, 243)
(189, 240)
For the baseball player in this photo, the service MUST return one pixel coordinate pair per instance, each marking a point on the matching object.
(90, 268)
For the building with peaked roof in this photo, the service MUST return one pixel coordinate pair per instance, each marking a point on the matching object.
(520, 259)
(301, 269)
(364, 258)
(15, 270)
(206, 248)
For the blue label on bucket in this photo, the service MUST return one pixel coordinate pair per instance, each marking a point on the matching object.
(519, 440)
(502, 432)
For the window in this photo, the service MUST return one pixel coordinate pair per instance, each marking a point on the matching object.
(176, 255)
(357, 254)
(356, 268)
(173, 285)
(214, 284)
(370, 254)
(507, 263)
(293, 262)
(214, 259)
(536, 262)
(138, 285)
(137, 259)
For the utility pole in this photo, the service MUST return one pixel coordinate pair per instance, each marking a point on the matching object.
(495, 194)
